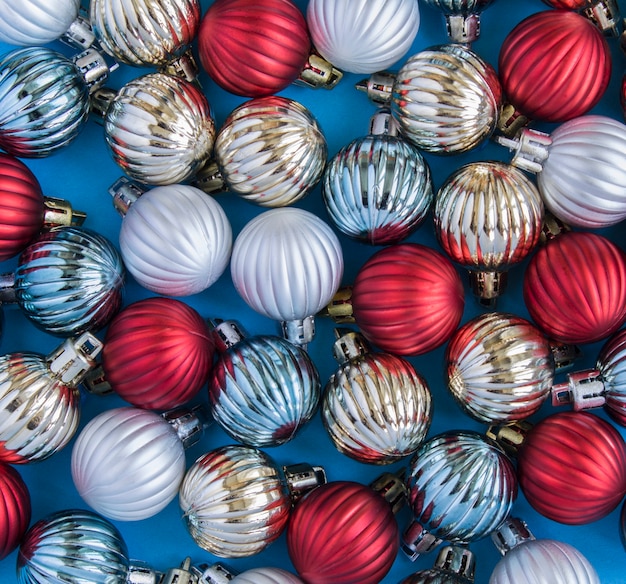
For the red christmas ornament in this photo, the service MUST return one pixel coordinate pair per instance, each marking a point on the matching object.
(407, 299)
(343, 533)
(572, 467)
(253, 47)
(554, 65)
(158, 353)
(575, 287)
(622, 96)
(15, 509)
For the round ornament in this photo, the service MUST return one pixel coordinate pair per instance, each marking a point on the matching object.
(378, 188)
(575, 287)
(262, 388)
(175, 240)
(15, 509)
(363, 36)
(376, 407)
(69, 280)
(266, 576)
(158, 353)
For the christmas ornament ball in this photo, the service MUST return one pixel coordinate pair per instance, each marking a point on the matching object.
(15, 509)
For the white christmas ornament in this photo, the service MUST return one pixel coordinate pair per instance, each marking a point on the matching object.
(363, 36)
(287, 264)
(175, 240)
(266, 576)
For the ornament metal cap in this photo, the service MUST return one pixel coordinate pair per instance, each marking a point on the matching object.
(463, 29)
(80, 33)
(564, 355)
(531, 147)
(458, 560)
(125, 192)
(340, 307)
(74, 358)
(209, 178)
(583, 389)
(100, 101)
(299, 331)
(416, 540)
(551, 228)
(510, 437)
(302, 478)
(7, 288)
(93, 67)
(510, 121)
(605, 15)
(180, 575)
(487, 286)
(391, 487)
(349, 345)
(383, 123)
(510, 534)
(184, 66)
(141, 573)
(318, 72)
(226, 334)
(60, 212)
(216, 573)
(189, 423)
(378, 87)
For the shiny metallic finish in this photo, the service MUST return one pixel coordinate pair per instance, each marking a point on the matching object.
(70, 280)
(376, 407)
(160, 129)
(44, 102)
(446, 99)
(71, 547)
(271, 151)
(36, 22)
(377, 189)
(234, 501)
(263, 389)
(459, 6)
(461, 486)
(266, 576)
(499, 368)
(454, 565)
(144, 32)
(488, 216)
(583, 180)
(611, 363)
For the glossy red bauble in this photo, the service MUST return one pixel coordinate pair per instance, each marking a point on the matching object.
(575, 287)
(407, 299)
(567, 4)
(572, 467)
(157, 353)
(21, 206)
(15, 509)
(253, 47)
(554, 65)
(342, 533)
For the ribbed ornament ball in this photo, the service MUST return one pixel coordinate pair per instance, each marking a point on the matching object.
(363, 36)
(15, 509)
(611, 363)
(575, 287)
(554, 65)
(157, 353)
(266, 576)
(253, 48)
(572, 467)
(407, 299)
(176, 240)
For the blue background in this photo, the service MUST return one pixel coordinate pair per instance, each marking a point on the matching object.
(82, 174)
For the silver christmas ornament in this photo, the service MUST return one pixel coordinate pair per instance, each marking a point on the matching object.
(499, 368)
(270, 151)
(174, 239)
(145, 33)
(262, 389)
(159, 128)
(462, 17)
(378, 189)
(488, 217)
(461, 488)
(39, 399)
(44, 98)
(580, 167)
(541, 561)
(236, 500)
(72, 546)
(454, 565)
(266, 576)
(445, 98)
(69, 280)
(376, 407)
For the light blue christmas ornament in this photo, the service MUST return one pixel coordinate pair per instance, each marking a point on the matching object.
(262, 388)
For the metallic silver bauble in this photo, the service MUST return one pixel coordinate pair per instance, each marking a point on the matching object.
(461, 488)
(271, 151)
(378, 189)
(488, 216)
(611, 365)
(499, 368)
(160, 129)
(70, 280)
(145, 32)
(44, 102)
(235, 501)
(39, 399)
(446, 99)
(266, 576)
(262, 389)
(376, 407)
(72, 547)
(454, 565)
